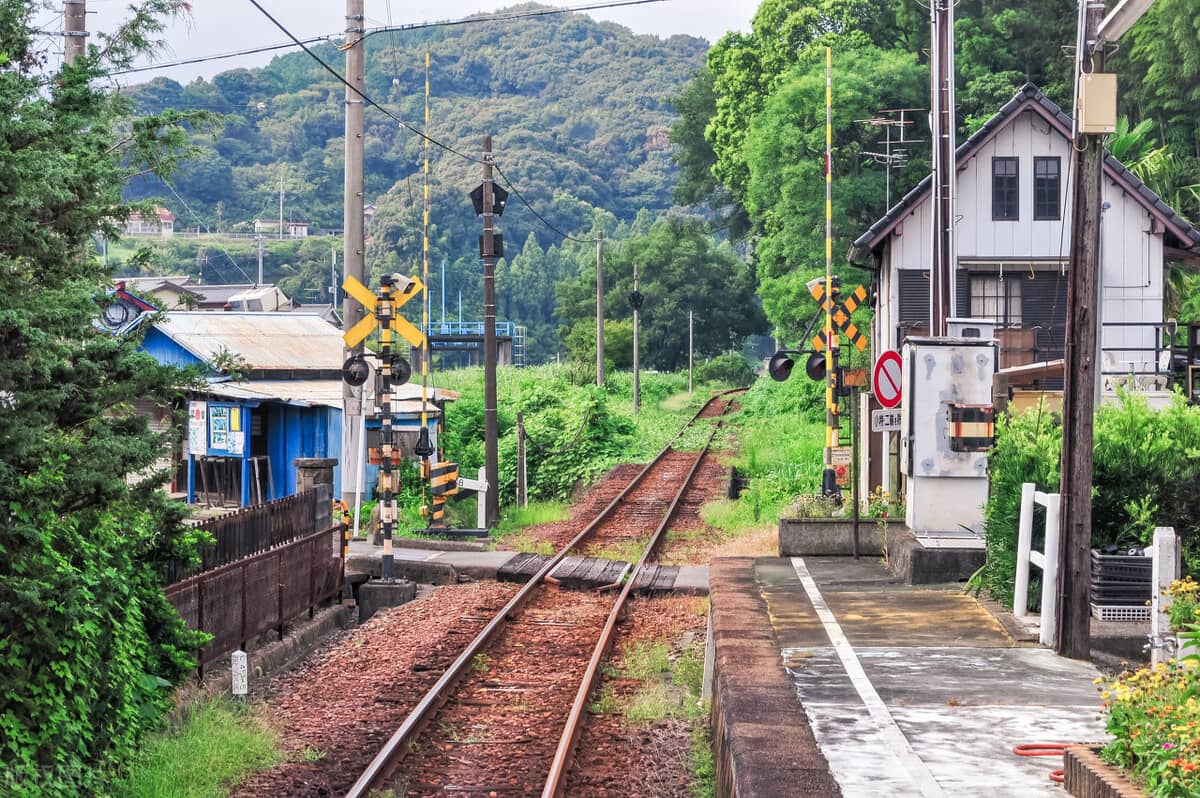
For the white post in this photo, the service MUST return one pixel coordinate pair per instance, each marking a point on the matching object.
(481, 500)
(360, 469)
(1050, 575)
(240, 672)
(1024, 544)
(1164, 570)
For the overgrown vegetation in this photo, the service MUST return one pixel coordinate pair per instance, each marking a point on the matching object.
(90, 642)
(1146, 468)
(213, 744)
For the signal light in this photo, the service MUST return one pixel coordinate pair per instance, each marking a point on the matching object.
(780, 366)
(355, 371)
(815, 367)
(401, 371)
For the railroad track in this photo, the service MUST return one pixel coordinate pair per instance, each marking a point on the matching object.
(504, 718)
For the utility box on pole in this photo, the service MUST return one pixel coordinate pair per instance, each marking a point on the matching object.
(946, 428)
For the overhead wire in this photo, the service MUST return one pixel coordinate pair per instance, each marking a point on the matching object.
(200, 221)
(421, 133)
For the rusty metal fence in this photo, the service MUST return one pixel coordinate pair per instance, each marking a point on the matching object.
(239, 601)
(256, 529)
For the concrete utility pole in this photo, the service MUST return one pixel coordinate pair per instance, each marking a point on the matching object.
(941, 275)
(1073, 638)
(74, 29)
(352, 226)
(636, 299)
(281, 204)
(260, 259)
(491, 429)
(600, 308)
(691, 346)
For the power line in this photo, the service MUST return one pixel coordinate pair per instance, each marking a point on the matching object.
(404, 125)
(385, 29)
(417, 131)
(540, 218)
(196, 216)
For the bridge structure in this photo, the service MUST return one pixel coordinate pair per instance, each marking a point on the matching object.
(467, 337)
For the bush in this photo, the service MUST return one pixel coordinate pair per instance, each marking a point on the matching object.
(1145, 475)
(727, 370)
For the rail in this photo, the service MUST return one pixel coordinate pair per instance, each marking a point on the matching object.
(393, 750)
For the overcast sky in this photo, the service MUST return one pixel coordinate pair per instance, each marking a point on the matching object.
(220, 26)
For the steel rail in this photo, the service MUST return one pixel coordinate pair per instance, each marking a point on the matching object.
(556, 779)
(393, 750)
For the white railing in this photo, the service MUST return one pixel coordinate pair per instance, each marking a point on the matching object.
(1047, 560)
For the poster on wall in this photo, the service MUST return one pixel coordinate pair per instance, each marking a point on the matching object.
(197, 428)
(237, 435)
(218, 427)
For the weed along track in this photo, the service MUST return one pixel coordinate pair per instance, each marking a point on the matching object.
(505, 718)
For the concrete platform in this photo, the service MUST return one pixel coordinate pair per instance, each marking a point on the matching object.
(905, 691)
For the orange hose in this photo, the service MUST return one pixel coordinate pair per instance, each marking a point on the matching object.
(1043, 749)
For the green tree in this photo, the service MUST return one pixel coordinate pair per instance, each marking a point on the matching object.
(681, 269)
(786, 160)
(84, 528)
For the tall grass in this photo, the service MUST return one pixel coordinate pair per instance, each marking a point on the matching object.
(215, 744)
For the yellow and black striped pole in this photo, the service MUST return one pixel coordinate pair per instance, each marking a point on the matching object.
(427, 354)
(828, 477)
(385, 311)
(443, 481)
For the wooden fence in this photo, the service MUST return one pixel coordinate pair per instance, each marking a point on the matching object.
(252, 530)
(237, 602)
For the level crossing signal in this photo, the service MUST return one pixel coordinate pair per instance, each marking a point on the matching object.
(839, 313)
(382, 309)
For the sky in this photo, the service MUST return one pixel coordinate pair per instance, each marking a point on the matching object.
(221, 26)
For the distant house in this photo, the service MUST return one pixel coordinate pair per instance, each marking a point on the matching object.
(1013, 246)
(169, 292)
(290, 229)
(243, 296)
(162, 223)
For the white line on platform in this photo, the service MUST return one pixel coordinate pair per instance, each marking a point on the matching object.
(884, 722)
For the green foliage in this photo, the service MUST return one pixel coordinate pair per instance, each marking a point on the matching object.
(1146, 463)
(89, 639)
(681, 268)
(728, 369)
(1027, 450)
(214, 744)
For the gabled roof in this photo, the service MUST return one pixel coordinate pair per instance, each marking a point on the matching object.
(1029, 98)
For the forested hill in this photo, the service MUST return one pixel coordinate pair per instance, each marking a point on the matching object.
(578, 110)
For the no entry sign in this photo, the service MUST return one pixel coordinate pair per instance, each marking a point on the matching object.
(886, 378)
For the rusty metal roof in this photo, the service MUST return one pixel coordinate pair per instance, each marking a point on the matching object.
(323, 393)
(267, 341)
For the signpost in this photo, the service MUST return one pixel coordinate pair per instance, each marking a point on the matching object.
(885, 420)
(886, 379)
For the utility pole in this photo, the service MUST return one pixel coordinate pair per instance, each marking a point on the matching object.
(1073, 636)
(281, 204)
(491, 428)
(635, 299)
(691, 346)
(352, 226)
(74, 29)
(260, 258)
(600, 308)
(941, 275)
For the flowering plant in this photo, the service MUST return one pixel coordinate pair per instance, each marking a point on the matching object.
(1154, 718)
(1184, 609)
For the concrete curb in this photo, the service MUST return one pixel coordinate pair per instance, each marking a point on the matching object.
(762, 741)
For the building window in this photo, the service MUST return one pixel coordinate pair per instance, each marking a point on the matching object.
(1005, 193)
(996, 298)
(1045, 188)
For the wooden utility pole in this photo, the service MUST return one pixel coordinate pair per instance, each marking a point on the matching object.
(1073, 638)
(600, 308)
(941, 273)
(74, 29)
(491, 450)
(353, 445)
